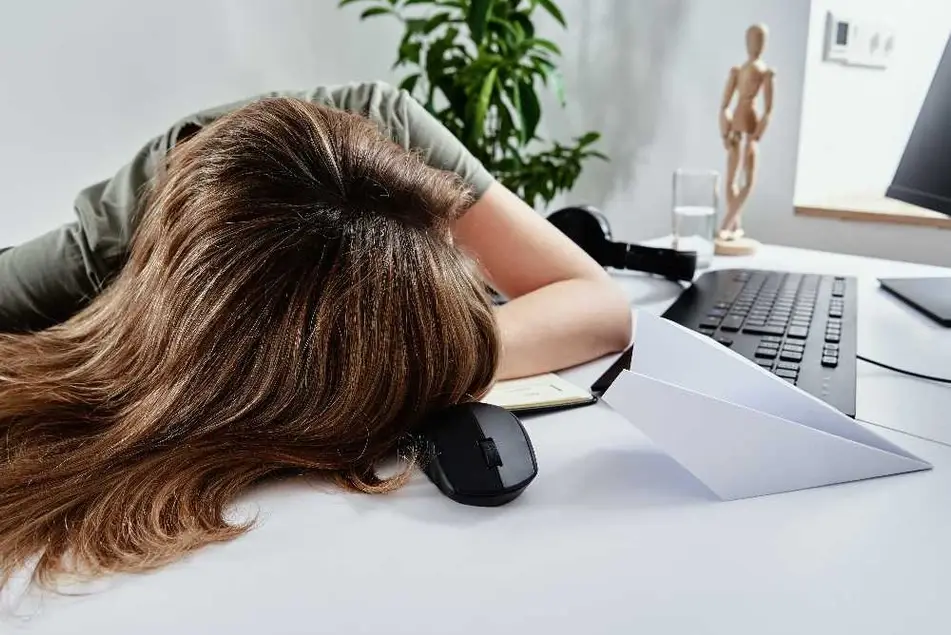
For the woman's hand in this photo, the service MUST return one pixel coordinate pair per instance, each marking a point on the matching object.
(563, 307)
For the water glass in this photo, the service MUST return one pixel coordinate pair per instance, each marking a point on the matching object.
(695, 202)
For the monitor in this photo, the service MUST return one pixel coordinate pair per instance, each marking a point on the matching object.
(923, 177)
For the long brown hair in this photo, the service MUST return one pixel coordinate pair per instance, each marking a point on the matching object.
(292, 301)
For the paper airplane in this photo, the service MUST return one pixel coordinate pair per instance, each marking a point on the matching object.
(738, 428)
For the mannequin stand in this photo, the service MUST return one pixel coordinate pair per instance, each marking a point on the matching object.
(735, 246)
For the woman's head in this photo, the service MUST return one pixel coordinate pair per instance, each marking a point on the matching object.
(292, 301)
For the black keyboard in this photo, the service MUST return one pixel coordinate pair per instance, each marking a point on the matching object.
(802, 327)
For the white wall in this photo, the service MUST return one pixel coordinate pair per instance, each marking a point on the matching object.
(650, 75)
(84, 84)
(856, 121)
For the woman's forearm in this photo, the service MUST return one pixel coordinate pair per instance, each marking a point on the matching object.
(561, 325)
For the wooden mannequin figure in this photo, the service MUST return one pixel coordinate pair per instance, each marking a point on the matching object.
(742, 131)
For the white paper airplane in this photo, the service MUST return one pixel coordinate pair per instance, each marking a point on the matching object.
(737, 427)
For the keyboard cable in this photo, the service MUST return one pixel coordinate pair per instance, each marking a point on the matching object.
(910, 373)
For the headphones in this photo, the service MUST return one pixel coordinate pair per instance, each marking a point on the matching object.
(590, 230)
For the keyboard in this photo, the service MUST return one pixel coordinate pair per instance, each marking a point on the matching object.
(801, 327)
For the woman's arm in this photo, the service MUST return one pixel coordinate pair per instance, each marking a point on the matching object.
(563, 307)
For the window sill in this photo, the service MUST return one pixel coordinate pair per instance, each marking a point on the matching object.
(873, 209)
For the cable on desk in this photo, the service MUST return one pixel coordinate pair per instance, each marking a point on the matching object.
(910, 373)
(905, 432)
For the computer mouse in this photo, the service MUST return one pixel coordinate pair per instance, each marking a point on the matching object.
(478, 454)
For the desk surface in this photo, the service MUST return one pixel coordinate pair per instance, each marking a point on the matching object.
(613, 537)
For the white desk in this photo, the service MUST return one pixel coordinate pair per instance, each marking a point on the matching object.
(613, 536)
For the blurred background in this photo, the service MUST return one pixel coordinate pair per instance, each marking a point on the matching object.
(84, 84)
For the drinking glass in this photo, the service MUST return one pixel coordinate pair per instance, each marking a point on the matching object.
(695, 201)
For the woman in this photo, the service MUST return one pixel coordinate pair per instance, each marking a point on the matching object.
(271, 287)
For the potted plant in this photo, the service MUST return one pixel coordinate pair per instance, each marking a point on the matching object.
(477, 65)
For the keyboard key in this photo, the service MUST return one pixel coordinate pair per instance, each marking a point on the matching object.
(789, 346)
(830, 362)
(791, 356)
(831, 347)
(721, 305)
(788, 365)
(710, 323)
(716, 313)
(791, 380)
(763, 330)
(765, 363)
(732, 323)
(783, 372)
(833, 338)
(772, 338)
(836, 313)
(798, 332)
(766, 353)
(726, 341)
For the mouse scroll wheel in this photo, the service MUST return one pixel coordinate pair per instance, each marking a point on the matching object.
(491, 453)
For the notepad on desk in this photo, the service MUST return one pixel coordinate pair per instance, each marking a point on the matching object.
(540, 392)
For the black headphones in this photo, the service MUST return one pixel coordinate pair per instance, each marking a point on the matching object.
(588, 227)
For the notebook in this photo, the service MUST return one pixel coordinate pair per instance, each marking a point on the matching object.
(538, 393)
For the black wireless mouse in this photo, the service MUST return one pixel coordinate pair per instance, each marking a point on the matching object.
(478, 454)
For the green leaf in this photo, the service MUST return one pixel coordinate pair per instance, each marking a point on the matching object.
(409, 52)
(538, 42)
(588, 138)
(478, 17)
(559, 83)
(511, 29)
(435, 22)
(414, 25)
(482, 105)
(553, 10)
(597, 155)
(542, 63)
(529, 110)
(525, 22)
(409, 83)
(344, 3)
(436, 55)
(372, 11)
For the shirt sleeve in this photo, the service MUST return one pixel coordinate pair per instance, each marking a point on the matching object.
(439, 147)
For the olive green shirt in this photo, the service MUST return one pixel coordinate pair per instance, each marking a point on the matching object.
(46, 280)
